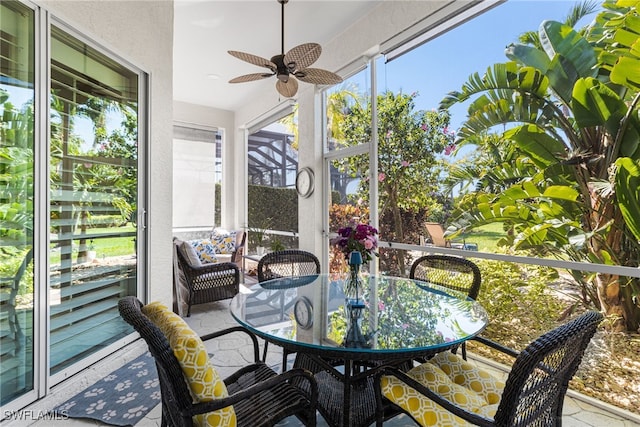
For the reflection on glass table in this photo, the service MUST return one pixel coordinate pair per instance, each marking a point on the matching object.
(402, 319)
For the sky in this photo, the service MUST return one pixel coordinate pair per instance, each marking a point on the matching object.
(445, 63)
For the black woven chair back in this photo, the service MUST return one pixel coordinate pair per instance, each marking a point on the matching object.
(535, 389)
(452, 272)
(287, 263)
(176, 397)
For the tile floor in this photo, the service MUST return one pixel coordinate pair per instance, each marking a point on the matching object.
(230, 354)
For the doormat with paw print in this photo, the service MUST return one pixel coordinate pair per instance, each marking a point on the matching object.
(122, 398)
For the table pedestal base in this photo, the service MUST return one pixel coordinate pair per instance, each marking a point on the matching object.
(346, 394)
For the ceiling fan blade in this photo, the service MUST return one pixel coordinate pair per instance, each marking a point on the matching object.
(253, 59)
(302, 56)
(287, 89)
(250, 77)
(318, 76)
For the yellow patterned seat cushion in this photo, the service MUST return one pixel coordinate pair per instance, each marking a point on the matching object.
(454, 379)
(204, 381)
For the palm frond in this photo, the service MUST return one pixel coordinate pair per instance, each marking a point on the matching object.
(581, 10)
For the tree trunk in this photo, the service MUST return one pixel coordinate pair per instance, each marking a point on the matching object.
(398, 229)
(82, 243)
(608, 287)
(614, 294)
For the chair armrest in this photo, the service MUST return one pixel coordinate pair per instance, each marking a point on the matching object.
(501, 348)
(427, 392)
(212, 268)
(256, 349)
(286, 377)
(236, 256)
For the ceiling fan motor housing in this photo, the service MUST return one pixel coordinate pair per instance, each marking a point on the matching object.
(282, 72)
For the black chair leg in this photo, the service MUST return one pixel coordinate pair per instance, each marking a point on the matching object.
(285, 359)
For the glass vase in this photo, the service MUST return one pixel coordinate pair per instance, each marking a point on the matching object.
(353, 285)
(354, 337)
(354, 308)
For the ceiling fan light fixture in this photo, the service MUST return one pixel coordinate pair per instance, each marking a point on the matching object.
(284, 66)
(287, 89)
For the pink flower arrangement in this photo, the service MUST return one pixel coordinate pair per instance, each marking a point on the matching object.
(357, 237)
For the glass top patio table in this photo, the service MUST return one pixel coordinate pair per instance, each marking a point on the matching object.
(402, 317)
(401, 320)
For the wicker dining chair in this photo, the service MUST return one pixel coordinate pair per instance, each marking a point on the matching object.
(258, 395)
(452, 272)
(449, 389)
(286, 263)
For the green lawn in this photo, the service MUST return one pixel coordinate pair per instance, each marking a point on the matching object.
(485, 237)
(108, 246)
(114, 246)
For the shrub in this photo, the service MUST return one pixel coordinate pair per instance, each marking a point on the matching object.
(518, 297)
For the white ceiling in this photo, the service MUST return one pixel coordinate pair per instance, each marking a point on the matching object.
(205, 30)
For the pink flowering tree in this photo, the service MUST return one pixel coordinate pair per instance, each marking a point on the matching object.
(412, 144)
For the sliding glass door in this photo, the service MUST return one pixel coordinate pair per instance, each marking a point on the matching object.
(70, 197)
(93, 198)
(17, 95)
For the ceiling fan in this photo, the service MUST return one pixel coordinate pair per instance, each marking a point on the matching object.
(288, 67)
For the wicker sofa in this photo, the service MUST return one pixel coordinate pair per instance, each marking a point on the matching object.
(197, 282)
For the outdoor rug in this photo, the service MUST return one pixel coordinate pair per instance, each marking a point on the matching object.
(122, 398)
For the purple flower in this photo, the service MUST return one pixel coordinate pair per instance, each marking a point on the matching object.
(357, 237)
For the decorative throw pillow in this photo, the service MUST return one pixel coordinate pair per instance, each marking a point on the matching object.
(190, 254)
(204, 381)
(224, 241)
(205, 250)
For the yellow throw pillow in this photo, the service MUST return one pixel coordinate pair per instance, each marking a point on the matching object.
(204, 381)
(223, 241)
(205, 250)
